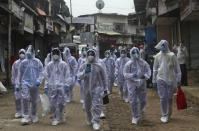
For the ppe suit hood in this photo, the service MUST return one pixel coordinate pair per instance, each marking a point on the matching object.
(22, 51)
(132, 50)
(107, 52)
(66, 49)
(163, 43)
(96, 58)
(60, 58)
(30, 49)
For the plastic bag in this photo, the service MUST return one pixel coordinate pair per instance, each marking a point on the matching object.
(181, 100)
(2, 87)
(46, 107)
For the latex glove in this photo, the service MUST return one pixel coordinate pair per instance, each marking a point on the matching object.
(143, 77)
(66, 89)
(134, 75)
(17, 89)
(46, 91)
(37, 84)
(87, 70)
(179, 85)
(155, 86)
(116, 76)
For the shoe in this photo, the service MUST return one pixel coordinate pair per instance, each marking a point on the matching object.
(126, 100)
(63, 117)
(55, 123)
(135, 121)
(25, 121)
(164, 119)
(35, 120)
(96, 126)
(88, 123)
(18, 115)
(143, 115)
(82, 101)
(102, 115)
(108, 92)
(68, 101)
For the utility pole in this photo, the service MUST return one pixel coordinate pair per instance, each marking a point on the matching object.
(71, 14)
(9, 42)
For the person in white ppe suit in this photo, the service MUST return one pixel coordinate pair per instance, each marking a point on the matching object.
(136, 72)
(58, 82)
(71, 61)
(30, 77)
(110, 69)
(17, 87)
(182, 56)
(46, 62)
(81, 61)
(94, 78)
(166, 73)
(119, 75)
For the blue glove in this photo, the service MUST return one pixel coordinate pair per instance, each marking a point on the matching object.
(88, 69)
(116, 76)
(17, 89)
(155, 86)
(66, 89)
(37, 84)
(46, 91)
(179, 85)
(134, 74)
(143, 77)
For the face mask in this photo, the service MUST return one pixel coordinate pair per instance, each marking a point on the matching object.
(84, 53)
(29, 55)
(136, 56)
(55, 57)
(91, 59)
(123, 55)
(21, 56)
(107, 55)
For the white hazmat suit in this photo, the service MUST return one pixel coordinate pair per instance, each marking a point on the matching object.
(136, 72)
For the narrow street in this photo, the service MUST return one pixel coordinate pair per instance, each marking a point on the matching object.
(117, 112)
(119, 116)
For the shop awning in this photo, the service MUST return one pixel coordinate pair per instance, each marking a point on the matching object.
(40, 12)
(108, 32)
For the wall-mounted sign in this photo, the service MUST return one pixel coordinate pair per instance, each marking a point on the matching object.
(28, 23)
(49, 24)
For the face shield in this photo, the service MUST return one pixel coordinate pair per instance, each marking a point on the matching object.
(135, 54)
(30, 52)
(84, 51)
(91, 56)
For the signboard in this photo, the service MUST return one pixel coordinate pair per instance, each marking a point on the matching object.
(28, 23)
(56, 29)
(17, 10)
(81, 20)
(87, 38)
(41, 27)
(63, 27)
(185, 9)
(49, 24)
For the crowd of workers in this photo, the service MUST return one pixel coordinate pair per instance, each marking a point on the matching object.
(96, 78)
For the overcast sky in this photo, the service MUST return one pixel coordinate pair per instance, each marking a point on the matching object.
(81, 7)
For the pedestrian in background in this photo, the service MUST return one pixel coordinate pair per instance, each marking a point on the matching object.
(182, 56)
(136, 72)
(30, 77)
(17, 87)
(166, 73)
(71, 61)
(119, 75)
